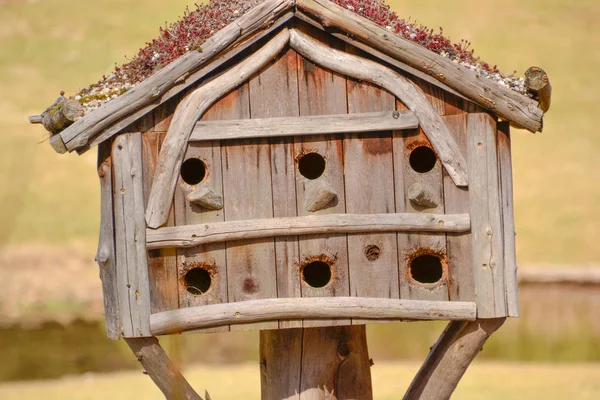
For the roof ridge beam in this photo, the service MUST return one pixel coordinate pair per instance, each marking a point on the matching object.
(508, 104)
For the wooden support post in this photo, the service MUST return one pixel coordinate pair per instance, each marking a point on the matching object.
(315, 364)
(161, 369)
(450, 357)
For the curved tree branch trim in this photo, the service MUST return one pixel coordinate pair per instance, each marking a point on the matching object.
(250, 311)
(188, 112)
(365, 70)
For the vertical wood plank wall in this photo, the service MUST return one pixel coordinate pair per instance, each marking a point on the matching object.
(130, 234)
(370, 173)
(369, 182)
(410, 244)
(486, 216)
(508, 219)
(323, 92)
(248, 194)
(211, 257)
(162, 268)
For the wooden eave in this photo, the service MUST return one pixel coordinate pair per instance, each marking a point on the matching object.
(263, 20)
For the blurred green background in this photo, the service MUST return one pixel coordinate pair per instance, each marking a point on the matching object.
(50, 300)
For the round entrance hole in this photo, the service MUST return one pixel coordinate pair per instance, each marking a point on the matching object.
(422, 159)
(311, 165)
(197, 281)
(317, 274)
(426, 268)
(193, 171)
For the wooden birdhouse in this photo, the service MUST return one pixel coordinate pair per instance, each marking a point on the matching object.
(307, 168)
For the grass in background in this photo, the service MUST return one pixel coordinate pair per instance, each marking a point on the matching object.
(490, 381)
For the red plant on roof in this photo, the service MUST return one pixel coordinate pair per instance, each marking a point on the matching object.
(196, 26)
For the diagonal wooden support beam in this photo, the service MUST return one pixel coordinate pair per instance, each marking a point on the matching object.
(161, 369)
(450, 357)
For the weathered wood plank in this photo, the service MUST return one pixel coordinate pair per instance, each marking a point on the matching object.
(253, 311)
(162, 263)
(274, 96)
(456, 200)
(411, 95)
(368, 172)
(161, 369)
(320, 93)
(450, 357)
(194, 235)
(503, 101)
(210, 257)
(247, 194)
(418, 192)
(105, 257)
(188, 112)
(280, 353)
(486, 218)
(130, 233)
(508, 219)
(80, 133)
(309, 125)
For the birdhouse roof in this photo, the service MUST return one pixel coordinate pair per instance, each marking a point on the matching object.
(208, 36)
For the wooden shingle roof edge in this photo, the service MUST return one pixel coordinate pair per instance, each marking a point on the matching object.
(270, 15)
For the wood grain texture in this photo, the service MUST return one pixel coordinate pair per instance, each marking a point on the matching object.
(508, 219)
(211, 256)
(503, 101)
(247, 194)
(188, 112)
(162, 263)
(105, 257)
(254, 311)
(335, 364)
(130, 233)
(450, 357)
(411, 245)
(461, 282)
(274, 95)
(194, 235)
(322, 92)
(315, 364)
(486, 216)
(309, 125)
(80, 133)
(369, 177)
(411, 95)
(280, 355)
(161, 369)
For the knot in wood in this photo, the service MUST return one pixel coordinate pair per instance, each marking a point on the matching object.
(343, 350)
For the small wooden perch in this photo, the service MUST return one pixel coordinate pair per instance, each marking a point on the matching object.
(252, 311)
(538, 83)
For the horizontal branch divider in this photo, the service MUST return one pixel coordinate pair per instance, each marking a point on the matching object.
(253, 311)
(309, 125)
(194, 235)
